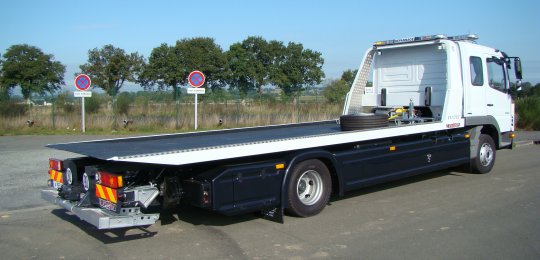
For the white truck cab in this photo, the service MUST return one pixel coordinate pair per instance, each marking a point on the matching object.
(486, 86)
(448, 79)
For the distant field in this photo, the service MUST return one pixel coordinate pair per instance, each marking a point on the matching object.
(147, 116)
(161, 117)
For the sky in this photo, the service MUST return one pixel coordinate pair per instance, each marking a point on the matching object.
(341, 30)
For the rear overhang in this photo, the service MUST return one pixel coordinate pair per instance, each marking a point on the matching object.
(100, 218)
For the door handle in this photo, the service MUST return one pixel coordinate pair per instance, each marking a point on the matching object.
(490, 105)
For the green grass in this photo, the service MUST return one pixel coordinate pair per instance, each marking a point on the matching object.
(528, 110)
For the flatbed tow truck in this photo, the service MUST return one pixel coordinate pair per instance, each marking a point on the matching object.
(436, 102)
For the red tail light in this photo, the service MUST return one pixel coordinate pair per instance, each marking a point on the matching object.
(110, 180)
(56, 164)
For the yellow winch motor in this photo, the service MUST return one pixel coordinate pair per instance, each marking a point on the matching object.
(397, 112)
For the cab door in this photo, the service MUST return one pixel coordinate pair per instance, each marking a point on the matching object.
(475, 88)
(499, 102)
(474, 79)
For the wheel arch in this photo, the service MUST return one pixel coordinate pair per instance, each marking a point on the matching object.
(492, 131)
(325, 157)
(488, 125)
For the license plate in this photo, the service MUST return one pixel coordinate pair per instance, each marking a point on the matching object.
(107, 205)
(55, 184)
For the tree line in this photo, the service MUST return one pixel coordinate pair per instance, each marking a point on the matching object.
(246, 66)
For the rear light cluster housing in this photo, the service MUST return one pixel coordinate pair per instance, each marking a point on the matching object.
(110, 180)
(55, 164)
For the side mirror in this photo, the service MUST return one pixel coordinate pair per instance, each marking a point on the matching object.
(517, 68)
(515, 89)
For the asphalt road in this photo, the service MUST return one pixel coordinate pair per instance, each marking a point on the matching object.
(443, 215)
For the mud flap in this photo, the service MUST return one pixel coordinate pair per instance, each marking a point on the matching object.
(475, 134)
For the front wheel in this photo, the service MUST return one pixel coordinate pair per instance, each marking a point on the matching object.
(309, 189)
(485, 156)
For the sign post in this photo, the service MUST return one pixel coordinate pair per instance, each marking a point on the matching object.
(196, 79)
(82, 83)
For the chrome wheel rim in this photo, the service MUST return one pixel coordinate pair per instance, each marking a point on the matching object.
(69, 176)
(486, 154)
(86, 182)
(309, 187)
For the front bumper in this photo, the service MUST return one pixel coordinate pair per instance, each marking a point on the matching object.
(100, 218)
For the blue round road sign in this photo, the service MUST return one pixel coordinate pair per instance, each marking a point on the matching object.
(82, 82)
(196, 79)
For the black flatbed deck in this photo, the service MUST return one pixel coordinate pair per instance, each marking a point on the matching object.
(124, 147)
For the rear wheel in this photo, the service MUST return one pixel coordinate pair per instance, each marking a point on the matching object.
(485, 156)
(309, 190)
